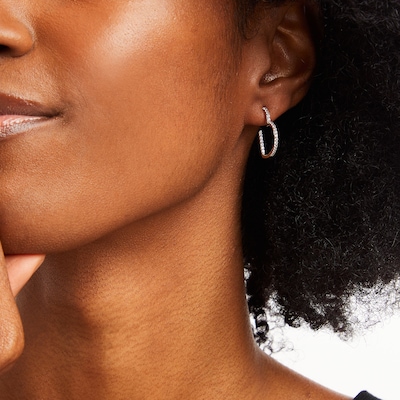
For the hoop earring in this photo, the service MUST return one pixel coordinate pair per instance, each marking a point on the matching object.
(269, 124)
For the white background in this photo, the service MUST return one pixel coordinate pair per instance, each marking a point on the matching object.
(370, 361)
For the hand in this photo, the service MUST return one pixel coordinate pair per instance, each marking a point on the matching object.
(15, 271)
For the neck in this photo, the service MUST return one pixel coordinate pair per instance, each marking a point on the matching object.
(156, 311)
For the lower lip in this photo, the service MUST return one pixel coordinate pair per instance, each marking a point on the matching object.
(12, 125)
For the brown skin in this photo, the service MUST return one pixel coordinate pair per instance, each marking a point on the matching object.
(133, 192)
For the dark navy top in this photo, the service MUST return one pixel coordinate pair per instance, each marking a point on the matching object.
(365, 396)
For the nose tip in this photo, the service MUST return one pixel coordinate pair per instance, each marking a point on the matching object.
(15, 37)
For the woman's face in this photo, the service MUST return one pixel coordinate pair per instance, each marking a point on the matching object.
(134, 102)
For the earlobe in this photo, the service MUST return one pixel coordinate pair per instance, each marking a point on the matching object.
(285, 64)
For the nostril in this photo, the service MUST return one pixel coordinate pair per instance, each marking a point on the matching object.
(3, 48)
(6, 50)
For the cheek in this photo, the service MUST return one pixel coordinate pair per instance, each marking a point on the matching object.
(144, 129)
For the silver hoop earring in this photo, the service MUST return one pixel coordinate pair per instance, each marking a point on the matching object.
(269, 124)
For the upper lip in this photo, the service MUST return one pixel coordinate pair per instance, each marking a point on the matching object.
(13, 105)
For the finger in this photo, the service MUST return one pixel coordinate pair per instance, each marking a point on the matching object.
(21, 268)
(11, 333)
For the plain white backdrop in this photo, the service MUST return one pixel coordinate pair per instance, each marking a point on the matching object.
(370, 361)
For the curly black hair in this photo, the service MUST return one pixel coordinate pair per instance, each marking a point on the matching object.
(321, 221)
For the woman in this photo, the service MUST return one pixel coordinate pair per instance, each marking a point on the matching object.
(126, 129)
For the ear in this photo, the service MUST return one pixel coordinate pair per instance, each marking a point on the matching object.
(279, 59)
